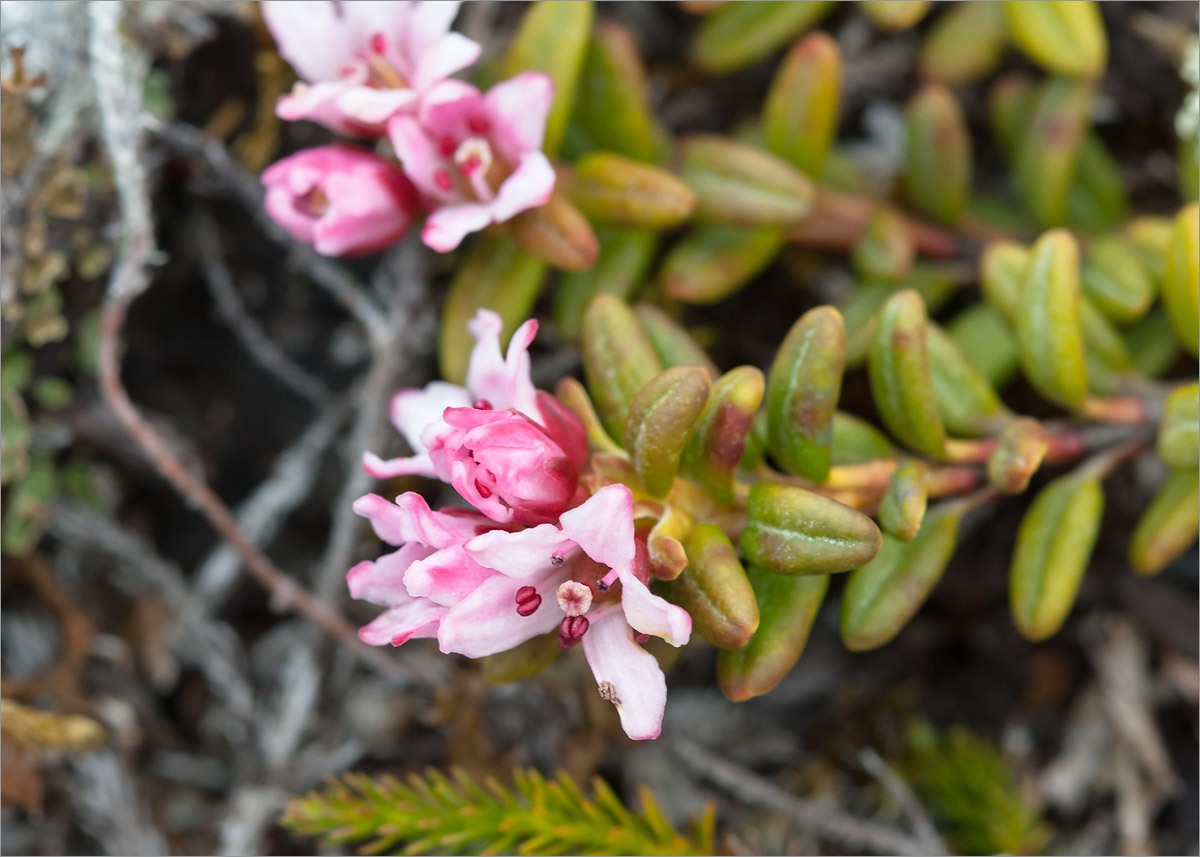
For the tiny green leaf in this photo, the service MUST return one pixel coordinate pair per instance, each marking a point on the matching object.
(800, 114)
(1063, 36)
(1054, 544)
(901, 379)
(673, 344)
(1179, 429)
(938, 154)
(742, 185)
(618, 359)
(802, 393)
(1115, 279)
(902, 507)
(968, 405)
(624, 259)
(965, 43)
(739, 34)
(881, 597)
(1048, 147)
(715, 591)
(1017, 456)
(787, 607)
(1169, 525)
(713, 261)
(611, 188)
(1181, 280)
(718, 442)
(660, 417)
(1048, 320)
(794, 531)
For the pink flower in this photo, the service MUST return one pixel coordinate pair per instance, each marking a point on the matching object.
(362, 62)
(341, 199)
(515, 455)
(477, 158)
(482, 590)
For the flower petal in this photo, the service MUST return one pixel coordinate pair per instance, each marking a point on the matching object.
(382, 581)
(651, 614)
(637, 684)
(519, 108)
(529, 186)
(520, 554)
(410, 519)
(446, 577)
(502, 382)
(487, 621)
(312, 37)
(416, 619)
(418, 155)
(453, 52)
(412, 410)
(448, 108)
(603, 527)
(449, 225)
(416, 465)
(371, 107)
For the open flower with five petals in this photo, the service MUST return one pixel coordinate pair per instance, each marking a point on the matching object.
(477, 158)
(362, 62)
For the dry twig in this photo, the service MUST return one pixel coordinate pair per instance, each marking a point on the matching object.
(818, 819)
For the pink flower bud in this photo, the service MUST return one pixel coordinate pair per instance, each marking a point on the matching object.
(341, 199)
(503, 464)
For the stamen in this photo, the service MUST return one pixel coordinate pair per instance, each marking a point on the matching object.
(482, 405)
(639, 637)
(378, 43)
(478, 125)
(474, 159)
(483, 490)
(528, 601)
(574, 598)
(571, 631)
(442, 179)
(608, 692)
(605, 583)
(557, 561)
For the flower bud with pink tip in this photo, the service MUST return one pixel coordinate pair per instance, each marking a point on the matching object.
(343, 200)
(477, 158)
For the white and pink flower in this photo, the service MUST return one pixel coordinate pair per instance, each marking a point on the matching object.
(362, 62)
(480, 582)
(341, 199)
(477, 158)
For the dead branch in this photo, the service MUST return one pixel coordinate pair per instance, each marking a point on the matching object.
(816, 818)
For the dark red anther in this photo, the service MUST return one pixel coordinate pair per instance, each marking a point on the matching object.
(557, 561)
(378, 43)
(482, 405)
(447, 146)
(470, 165)
(602, 586)
(528, 601)
(478, 125)
(571, 631)
(639, 637)
(483, 490)
(442, 179)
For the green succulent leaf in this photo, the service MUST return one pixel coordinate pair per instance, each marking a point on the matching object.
(618, 359)
(739, 34)
(901, 378)
(1169, 525)
(718, 441)
(1048, 320)
(553, 38)
(660, 418)
(938, 154)
(902, 507)
(793, 531)
(1179, 429)
(611, 188)
(965, 43)
(715, 590)
(881, 597)
(714, 260)
(802, 393)
(787, 607)
(1054, 544)
(621, 266)
(1181, 279)
(673, 344)
(742, 185)
(1062, 37)
(800, 114)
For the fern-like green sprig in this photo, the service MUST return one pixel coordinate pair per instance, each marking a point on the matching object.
(438, 814)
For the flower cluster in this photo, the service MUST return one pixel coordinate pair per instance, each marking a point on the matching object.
(541, 549)
(381, 69)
